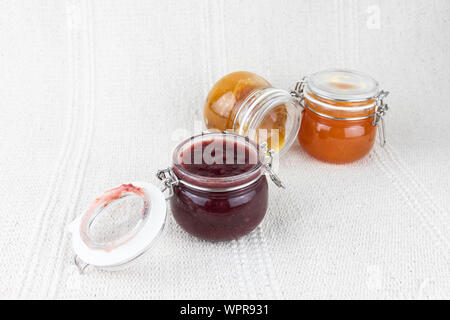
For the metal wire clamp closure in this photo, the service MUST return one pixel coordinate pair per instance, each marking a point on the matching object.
(268, 166)
(169, 180)
(81, 265)
(380, 111)
(298, 92)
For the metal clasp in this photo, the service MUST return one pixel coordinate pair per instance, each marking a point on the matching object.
(169, 180)
(298, 92)
(268, 166)
(381, 108)
(81, 265)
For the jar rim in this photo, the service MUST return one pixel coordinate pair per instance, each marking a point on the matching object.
(259, 104)
(310, 96)
(228, 183)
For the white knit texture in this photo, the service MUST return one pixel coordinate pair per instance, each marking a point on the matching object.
(97, 93)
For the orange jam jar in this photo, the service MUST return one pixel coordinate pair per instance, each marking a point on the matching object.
(246, 104)
(342, 110)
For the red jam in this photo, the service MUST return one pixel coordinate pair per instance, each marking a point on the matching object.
(226, 195)
(225, 159)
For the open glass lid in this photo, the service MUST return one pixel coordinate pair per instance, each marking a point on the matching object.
(119, 226)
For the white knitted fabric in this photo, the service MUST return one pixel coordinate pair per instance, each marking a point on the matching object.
(97, 93)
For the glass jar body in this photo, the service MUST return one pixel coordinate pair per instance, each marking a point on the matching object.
(336, 141)
(220, 216)
(337, 135)
(227, 95)
(245, 103)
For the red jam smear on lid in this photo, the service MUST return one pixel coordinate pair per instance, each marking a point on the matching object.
(106, 199)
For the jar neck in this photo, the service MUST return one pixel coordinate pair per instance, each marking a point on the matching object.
(340, 110)
(220, 184)
(267, 111)
(217, 184)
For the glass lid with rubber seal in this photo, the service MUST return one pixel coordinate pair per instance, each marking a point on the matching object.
(342, 85)
(119, 226)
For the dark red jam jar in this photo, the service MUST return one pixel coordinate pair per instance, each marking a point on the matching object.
(219, 187)
(216, 186)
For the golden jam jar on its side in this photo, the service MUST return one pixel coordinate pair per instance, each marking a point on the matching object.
(245, 103)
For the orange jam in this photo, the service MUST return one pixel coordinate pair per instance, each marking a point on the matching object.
(245, 103)
(338, 118)
(333, 140)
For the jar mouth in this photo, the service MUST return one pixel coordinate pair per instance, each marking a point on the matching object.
(338, 110)
(219, 183)
(270, 115)
(355, 106)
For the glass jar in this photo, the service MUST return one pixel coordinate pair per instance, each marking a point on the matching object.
(245, 103)
(342, 110)
(217, 189)
(221, 190)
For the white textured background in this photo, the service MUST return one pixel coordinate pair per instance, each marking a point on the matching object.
(96, 93)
